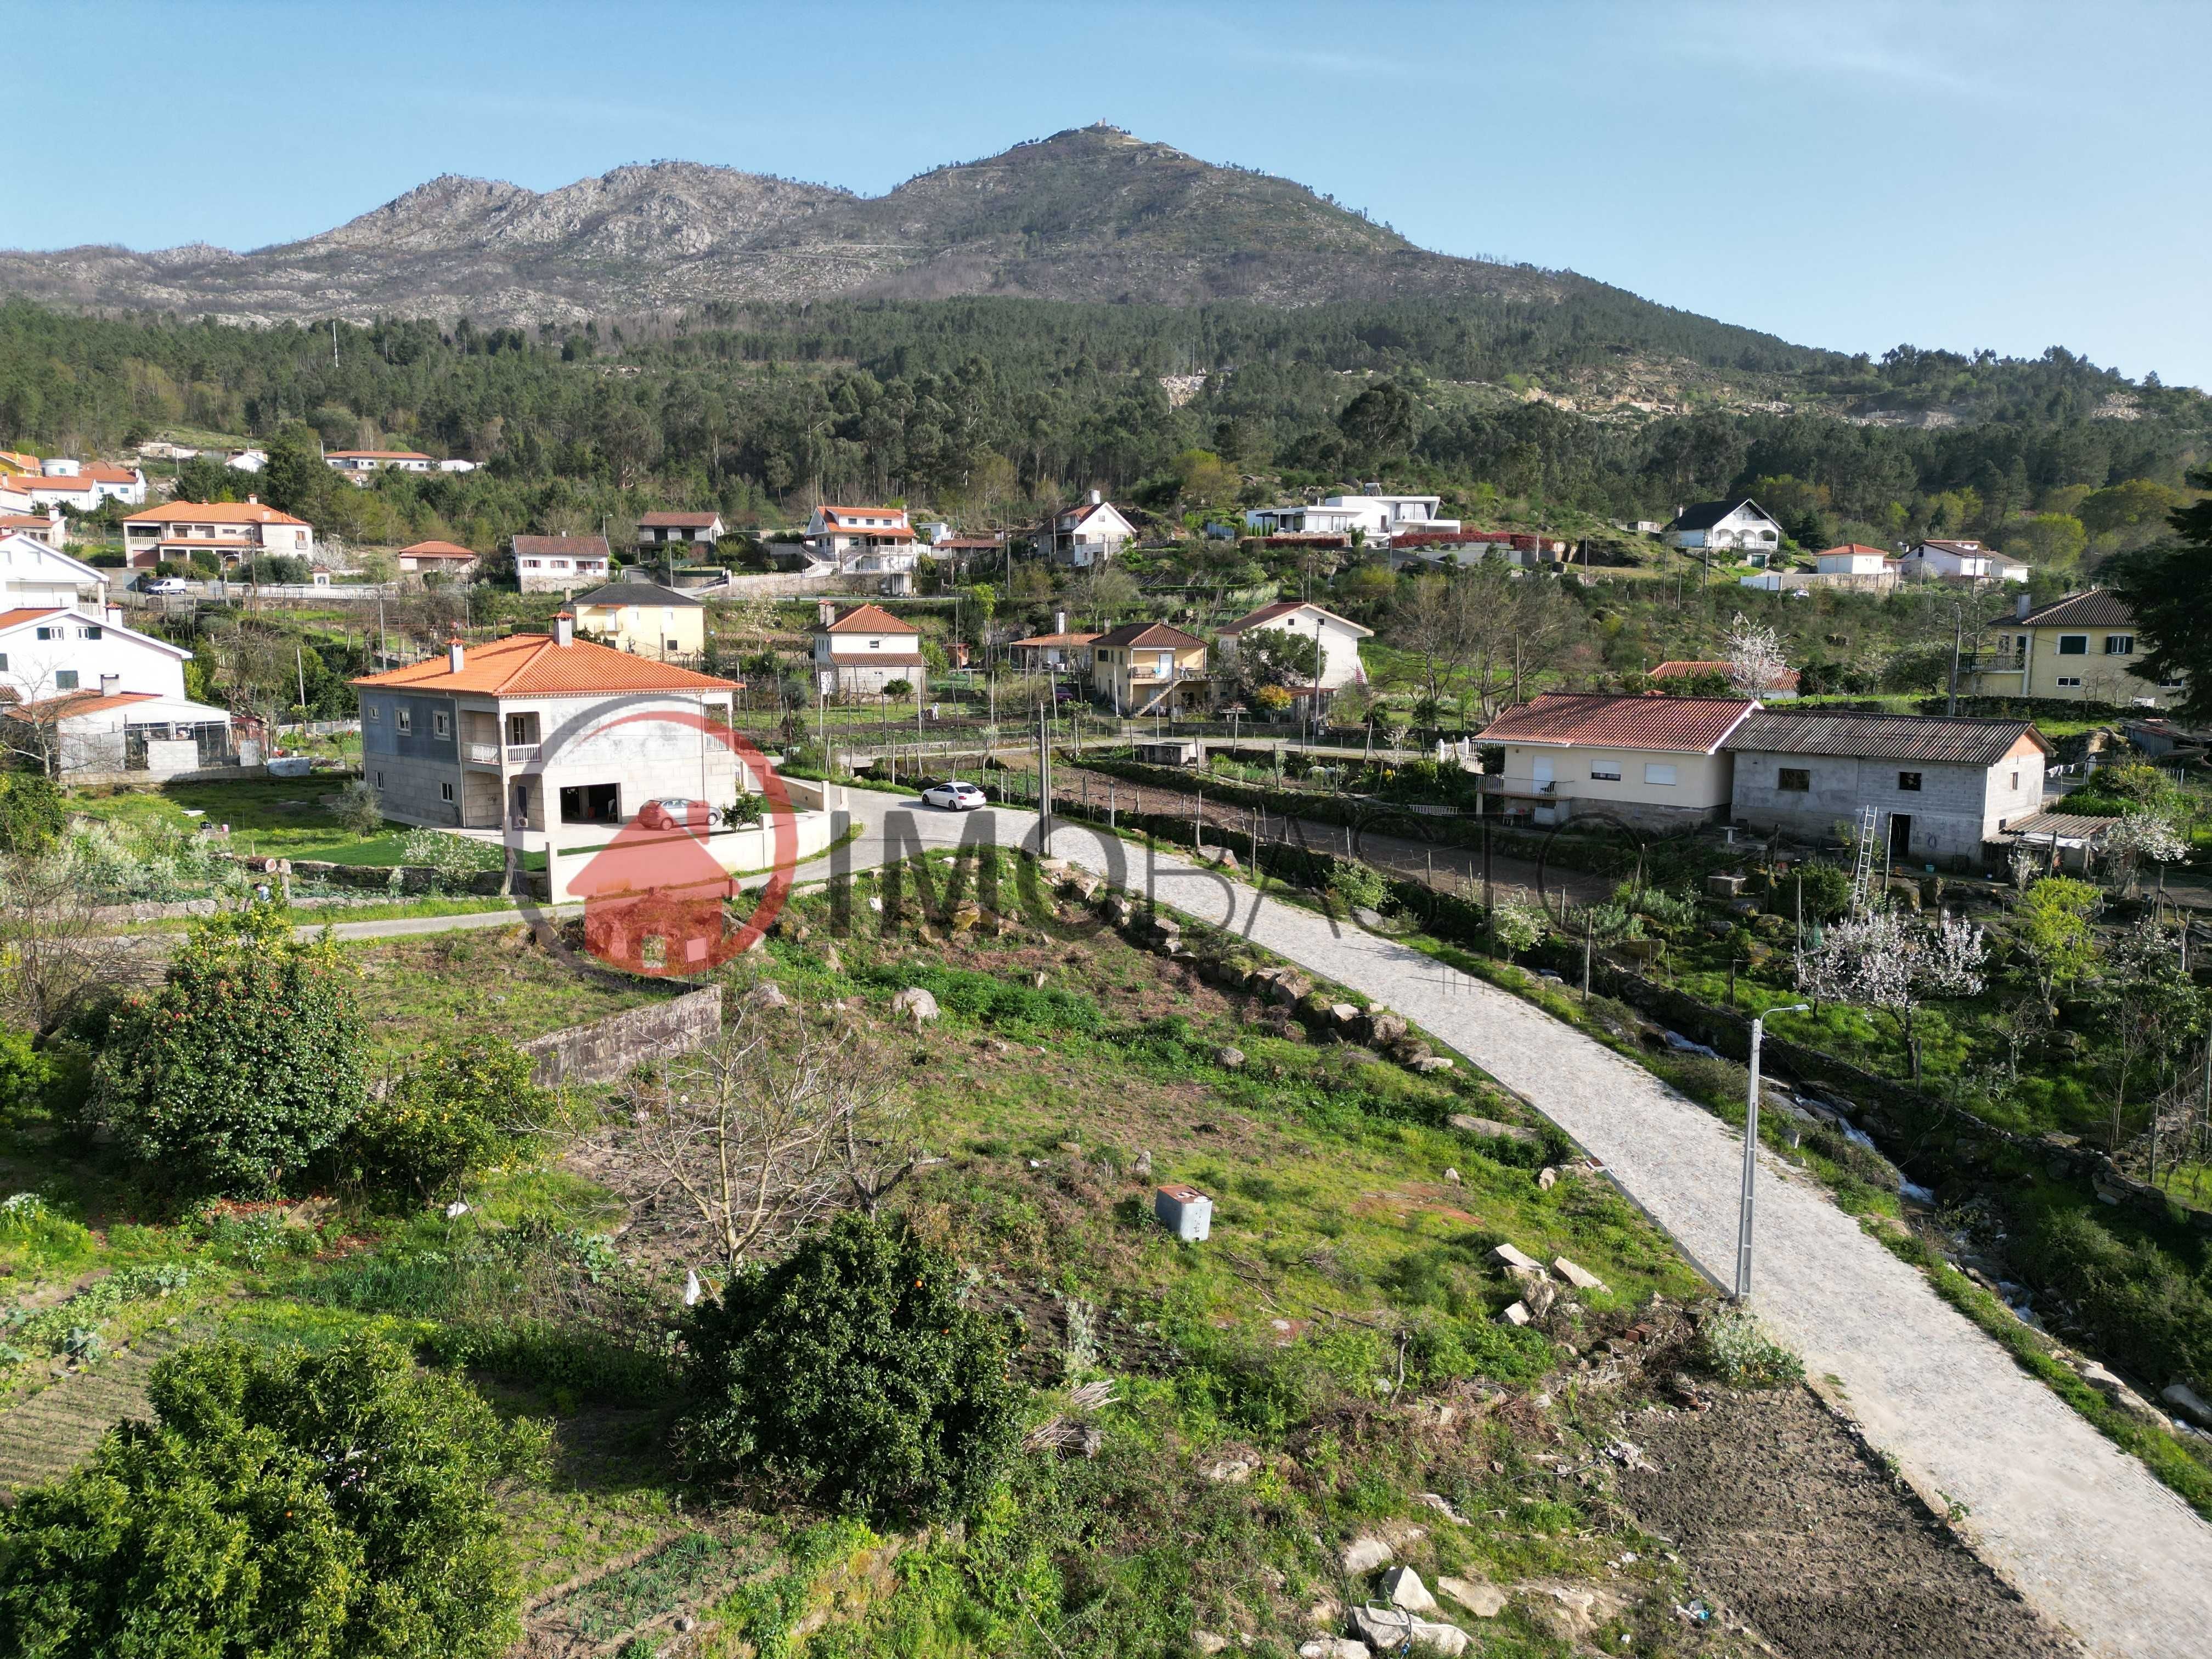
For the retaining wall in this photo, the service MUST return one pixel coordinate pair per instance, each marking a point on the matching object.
(609, 1049)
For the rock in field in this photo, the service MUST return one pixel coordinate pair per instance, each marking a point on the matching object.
(915, 1004)
(1364, 1554)
(1483, 1601)
(1402, 1587)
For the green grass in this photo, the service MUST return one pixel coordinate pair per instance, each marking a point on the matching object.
(496, 982)
(277, 818)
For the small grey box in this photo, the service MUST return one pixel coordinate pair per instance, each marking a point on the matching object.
(1185, 1211)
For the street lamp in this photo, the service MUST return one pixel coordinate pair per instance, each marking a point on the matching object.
(1750, 1152)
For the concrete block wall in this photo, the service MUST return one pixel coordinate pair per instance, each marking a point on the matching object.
(609, 1049)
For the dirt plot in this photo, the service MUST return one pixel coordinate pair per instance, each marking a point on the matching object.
(1779, 1512)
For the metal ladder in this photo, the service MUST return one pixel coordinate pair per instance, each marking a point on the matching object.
(1863, 863)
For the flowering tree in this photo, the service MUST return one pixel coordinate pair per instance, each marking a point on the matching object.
(2140, 836)
(1756, 664)
(1894, 962)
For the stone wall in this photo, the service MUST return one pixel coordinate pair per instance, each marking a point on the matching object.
(608, 1049)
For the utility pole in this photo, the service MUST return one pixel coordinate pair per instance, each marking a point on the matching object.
(1958, 633)
(1751, 1154)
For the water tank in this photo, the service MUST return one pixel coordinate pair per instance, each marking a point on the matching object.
(57, 468)
(1185, 1211)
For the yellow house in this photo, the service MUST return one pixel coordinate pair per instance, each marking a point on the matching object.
(1150, 668)
(2077, 649)
(645, 619)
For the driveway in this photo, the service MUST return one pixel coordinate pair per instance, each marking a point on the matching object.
(2078, 1526)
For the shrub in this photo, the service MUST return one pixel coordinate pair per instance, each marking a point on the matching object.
(850, 1370)
(337, 1504)
(1519, 925)
(1827, 893)
(456, 858)
(30, 812)
(358, 808)
(451, 1110)
(245, 1063)
(24, 1074)
(1733, 1347)
(1356, 885)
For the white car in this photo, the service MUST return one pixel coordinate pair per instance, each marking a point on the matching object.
(168, 585)
(954, 796)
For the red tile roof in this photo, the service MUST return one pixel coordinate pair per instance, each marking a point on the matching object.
(1855, 547)
(24, 613)
(679, 520)
(437, 550)
(71, 704)
(531, 664)
(1682, 671)
(1147, 634)
(1676, 724)
(25, 522)
(210, 513)
(868, 619)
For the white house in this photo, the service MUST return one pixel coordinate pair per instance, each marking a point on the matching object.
(89, 695)
(687, 530)
(538, 729)
(362, 464)
(864, 650)
(861, 540)
(248, 460)
(1742, 526)
(1377, 517)
(1854, 559)
(560, 564)
(1087, 533)
(438, 558)
(1316, 520)
(51, 528)
(1339, 639)
(81, 486)
(1962, 561)
(452, 464)
(35, 572)
(48, 650)
(223, 530)
(1649, 762)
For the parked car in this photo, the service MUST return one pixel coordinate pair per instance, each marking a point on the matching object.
(166, 585)
(954, 796)
(675, 812)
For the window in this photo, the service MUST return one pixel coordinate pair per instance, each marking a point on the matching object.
(2073, 645)
(445, 792)
(95, 633)
(1654, 772)
(65, 679)
(379, 780)
(1909, 782)
(1796, 779)
(875, 645)
(531, 564)
(2066, 680)
(441, 723)
(3, 662)
(404, 719)
(1606, 771)
(372, 711)
(517, 728)
(48, 633)
(2119, 645)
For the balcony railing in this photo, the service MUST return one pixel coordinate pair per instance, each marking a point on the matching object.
(522, 754)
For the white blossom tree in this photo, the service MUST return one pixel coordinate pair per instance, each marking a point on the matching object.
(2138, 836)
(1755, 663)
(1895, 963)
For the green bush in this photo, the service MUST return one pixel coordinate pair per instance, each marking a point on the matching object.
(24, 1074)
(851, 1371)
(451, 1110)
(30, 812)
(338, 1505)
(1022, 1010)
(1357, 886)
(1827, 893)
(1733, 1347)
(245, 1065)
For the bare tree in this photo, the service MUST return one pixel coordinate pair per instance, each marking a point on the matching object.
(54, 950)
(742, 1144)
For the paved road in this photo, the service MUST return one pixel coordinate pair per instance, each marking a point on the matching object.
(2078, 1526)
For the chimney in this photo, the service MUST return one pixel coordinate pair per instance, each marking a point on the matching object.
(108, 683)
(1059, 621)
(115, 615)
(456, 655)
(1096, 498)
(565, 629)
(2020, 608)
(253, 501)
(826, 612)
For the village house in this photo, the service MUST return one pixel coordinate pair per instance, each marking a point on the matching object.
(658, 532)
(1150, 668)
(1058, 652)
(14, 464)
(34, 571)
(1855, 559)
(862, 541)
(1960, 561)
(1376, 518)
(50, 529)
(865, 649)
(1650, 762)
(560, 564)
(445, 559)
(92, 696)
(645, 619)
(1317, 519)
(1090, 533)
(2077, 649)
(223, 531)
(246, 460)
(360, 465)
(1338, 638)
(1941, 789)
(963, 553)
(1682, 669)
(536, 730)
(80, 486)
(1740, 526)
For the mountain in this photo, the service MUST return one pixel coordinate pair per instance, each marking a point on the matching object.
(1090, 214)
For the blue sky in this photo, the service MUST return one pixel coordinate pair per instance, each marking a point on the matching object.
(1845, 175)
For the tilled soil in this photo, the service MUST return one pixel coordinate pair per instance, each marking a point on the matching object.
(1778, 1511)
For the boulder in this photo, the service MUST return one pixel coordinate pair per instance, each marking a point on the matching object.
(1581, 1278)
(1483, 1601)
(1468, 1125)
(1367, 918)
(1288, 989)
(1429, 1065)
(1393, 1629)
(1547, 1177)
(1229, 1059)
(2119, 1394)
(1364, 1555)
(1519, 1314)
(1402, 1587)
(1452, 1176)
(1205, 1641)
(915, 1004)
(1334, 1647)
(830, 959)
(2188, 1402)
(766, 995)
(1506, 1256)
(1343, 1015)
(1384, 1028)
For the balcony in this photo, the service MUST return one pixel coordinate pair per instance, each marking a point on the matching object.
(1992, 662)
(522, 754)
(480, 753)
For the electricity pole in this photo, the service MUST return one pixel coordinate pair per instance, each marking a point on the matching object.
(1750, 1155)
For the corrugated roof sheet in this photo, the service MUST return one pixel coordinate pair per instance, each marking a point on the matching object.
(531, 664)
(2098, 608)
(1933, 737)
(2067, 826)
(1672, 725)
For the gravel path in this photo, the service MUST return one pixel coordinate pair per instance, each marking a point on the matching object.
(2080, 1528)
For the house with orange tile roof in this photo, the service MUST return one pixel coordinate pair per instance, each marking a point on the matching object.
(536, 731)
(88, 697)
(224, 530)
(81, 486)
(437, 558)
(1652, 761)
(1150, 668)
(1338, 638)
(1044, 654)
(862, 541)
(863, 650)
